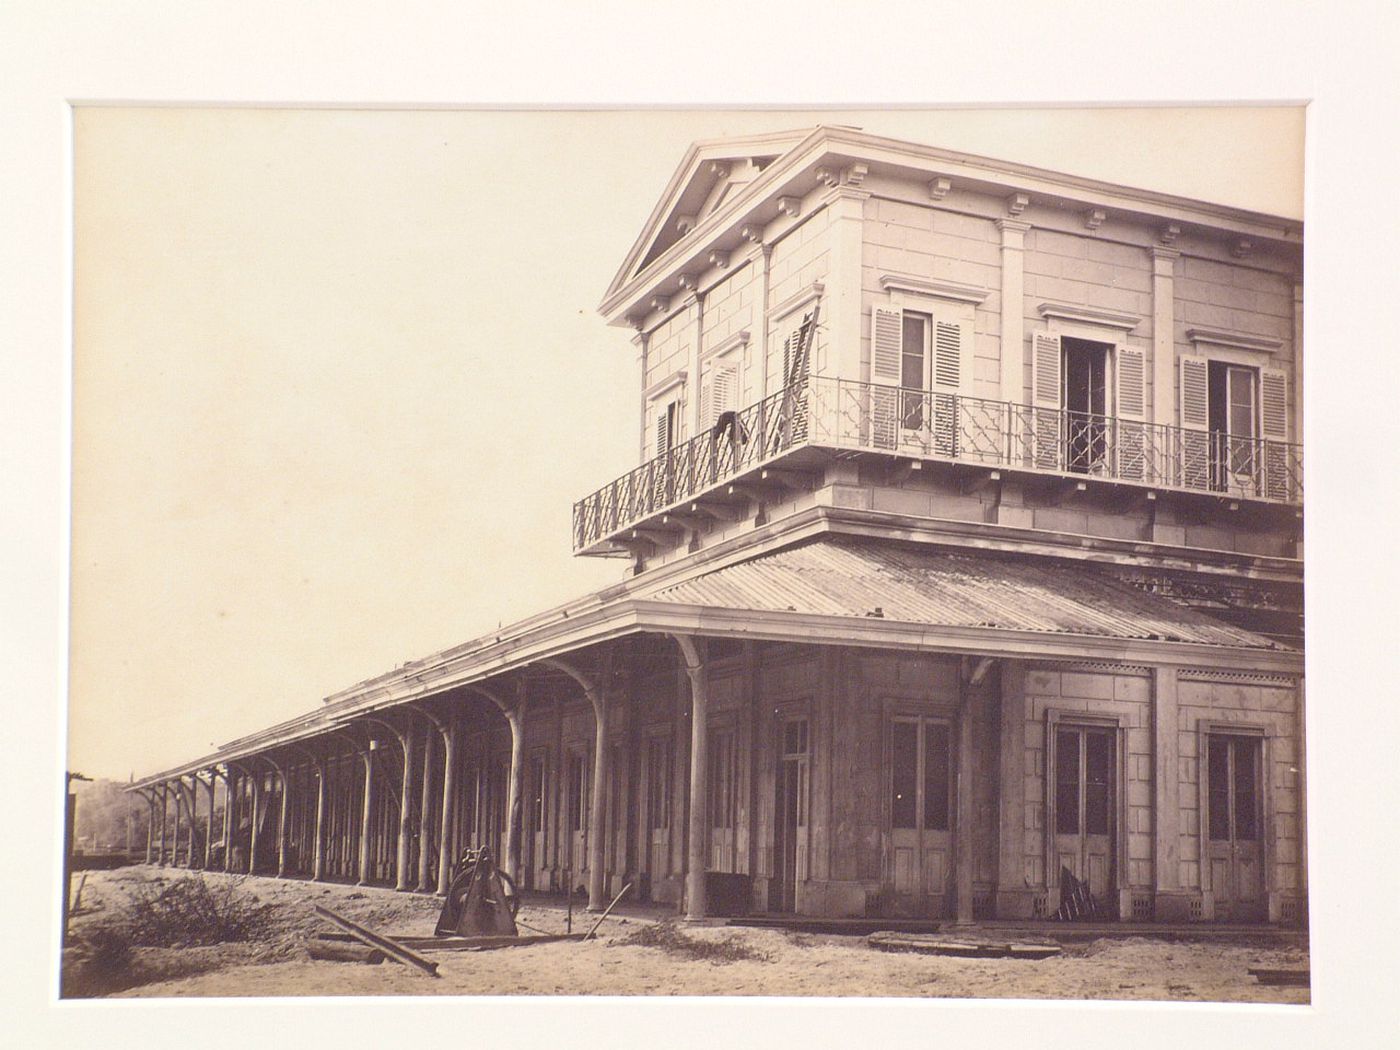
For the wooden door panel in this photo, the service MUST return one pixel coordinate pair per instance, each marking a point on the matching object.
(1069, 858)
(1247, 862)
(935, 872)
(905, 882)
(1099, 868)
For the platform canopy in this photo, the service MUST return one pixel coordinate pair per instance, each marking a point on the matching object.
(831, 590)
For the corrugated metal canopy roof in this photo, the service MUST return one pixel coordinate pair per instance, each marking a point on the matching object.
(849, 577)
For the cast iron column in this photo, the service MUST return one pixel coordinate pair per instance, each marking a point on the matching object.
(367, 757)
(425, 815)
(449, 806)
(699, 769)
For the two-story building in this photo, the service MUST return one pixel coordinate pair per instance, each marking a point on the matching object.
(961, 568)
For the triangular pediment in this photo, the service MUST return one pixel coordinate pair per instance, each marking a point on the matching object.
(711, 173)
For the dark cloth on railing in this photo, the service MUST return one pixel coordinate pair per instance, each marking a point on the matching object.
(729, 423)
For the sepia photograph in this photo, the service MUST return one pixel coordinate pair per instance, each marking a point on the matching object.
(654, 526)
(688, 553)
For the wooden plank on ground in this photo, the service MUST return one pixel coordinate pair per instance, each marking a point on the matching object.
(343, 948)
(393, 949)
(933, 944)
(1282, 977)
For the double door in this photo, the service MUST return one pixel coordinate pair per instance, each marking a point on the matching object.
(1234, 826)
(921, 809)
(1085, 830)
(791, 810)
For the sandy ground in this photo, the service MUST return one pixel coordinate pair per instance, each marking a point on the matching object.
(790, 963)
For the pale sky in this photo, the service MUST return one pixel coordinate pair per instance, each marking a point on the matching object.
(339, 377)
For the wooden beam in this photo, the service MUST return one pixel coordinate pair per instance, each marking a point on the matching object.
(720, 510)
(903, 469)
(684, 521)
(797, 480)
(390, 947)
(1062, 489)
(978, 480)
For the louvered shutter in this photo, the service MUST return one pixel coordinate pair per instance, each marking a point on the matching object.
(1273, 428)
(724, 382)
(1195, 422)
(886, 343)
(708, 412)
(663, 430)
(797, 360)
(1046, 385)
(1132, 436)
(951, 342)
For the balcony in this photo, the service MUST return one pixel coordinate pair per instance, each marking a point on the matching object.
(845, 415)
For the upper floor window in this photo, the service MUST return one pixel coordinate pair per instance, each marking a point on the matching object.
(666, 426)
(1231, 412)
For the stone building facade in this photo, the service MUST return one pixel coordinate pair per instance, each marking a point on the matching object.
(961, 568)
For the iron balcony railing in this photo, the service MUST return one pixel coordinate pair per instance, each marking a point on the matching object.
(845, 414)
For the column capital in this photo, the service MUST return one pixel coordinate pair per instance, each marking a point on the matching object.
(1011, 226)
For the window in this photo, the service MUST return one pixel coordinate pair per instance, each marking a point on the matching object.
(719, 388)
(1234, 417)
(667, 426)
(1083, 780)
(658, 783)
(920, 362)
(1232, 788)
(1234, 420)
(920, 774)
(537, 793)
(913, 365)
(723, 779)
(1086, 403)
(577, 787)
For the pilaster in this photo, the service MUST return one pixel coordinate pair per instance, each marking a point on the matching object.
(1163, 335)
(1013, 327)
(841, 311)
(1296, 433)
(1013, 895)
(1171, 904)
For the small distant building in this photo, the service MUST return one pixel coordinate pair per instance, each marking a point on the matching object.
(961, 567)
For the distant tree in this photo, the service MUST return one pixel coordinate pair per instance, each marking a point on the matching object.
(104, 808)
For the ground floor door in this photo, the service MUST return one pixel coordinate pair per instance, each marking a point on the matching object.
(535, 862)
(1233, 768)
(921, 809)
(790, 812)
(723, 781)
(576, 815)
(657, 774)
(1084, 808)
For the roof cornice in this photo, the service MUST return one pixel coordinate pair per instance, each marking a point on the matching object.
(834, 147)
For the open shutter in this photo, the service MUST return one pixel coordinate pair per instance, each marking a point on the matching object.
(797, 365)
(951, 341)
(1279, 482)
(1195, 422)
(724, 392)
(1132, 438)
(886, 342)
(662, 425)
(1047, 382)
(708, 412)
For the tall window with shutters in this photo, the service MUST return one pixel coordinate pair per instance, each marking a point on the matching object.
(1088, 407)
(719, 388)
(920, 362)
(1234, 419)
